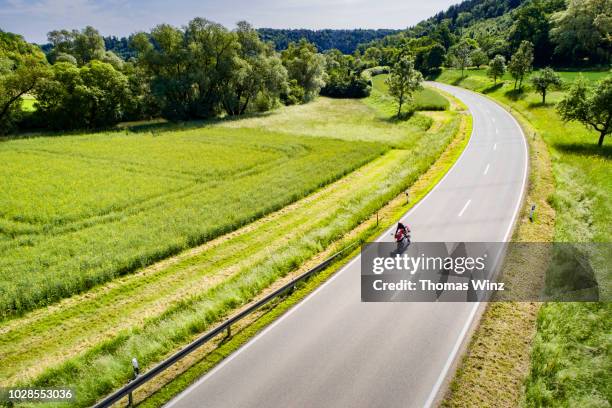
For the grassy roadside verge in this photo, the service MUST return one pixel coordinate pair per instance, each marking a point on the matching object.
(497, 358)
(185, 373)
(556, 354)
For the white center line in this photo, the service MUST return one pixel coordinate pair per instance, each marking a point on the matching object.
(486, 169)
(493, 119)
(495, 146)
(496, 131)
(465, 207)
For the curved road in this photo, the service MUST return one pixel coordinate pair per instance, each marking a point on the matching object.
(331, 350)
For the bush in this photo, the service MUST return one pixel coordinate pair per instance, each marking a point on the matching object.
(352, 87)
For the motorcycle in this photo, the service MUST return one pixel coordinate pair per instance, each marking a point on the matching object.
(402, 236)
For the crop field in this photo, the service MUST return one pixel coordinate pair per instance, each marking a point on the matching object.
(80, 210)
(570, 364)
(87, 216)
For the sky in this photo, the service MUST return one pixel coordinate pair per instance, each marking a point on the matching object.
(34, 18)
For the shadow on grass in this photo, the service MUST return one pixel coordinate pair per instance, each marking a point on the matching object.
(458, 81)
(191, 124)
(404, 116)
(153, 125)
(586, 149)
(493, 88)
(541, 105)
(515, 94)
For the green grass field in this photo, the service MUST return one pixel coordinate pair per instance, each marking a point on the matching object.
(97, 206)
(81, 210)
(570, 360)
(426, 99)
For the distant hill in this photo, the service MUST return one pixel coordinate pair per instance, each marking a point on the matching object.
(564, 34)
(344, 40)
(467, 13)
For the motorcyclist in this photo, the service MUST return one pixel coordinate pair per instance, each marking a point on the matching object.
(401, 232)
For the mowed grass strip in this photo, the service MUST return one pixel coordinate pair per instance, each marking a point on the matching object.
(570, 363)
(78, 211)
(188, 296)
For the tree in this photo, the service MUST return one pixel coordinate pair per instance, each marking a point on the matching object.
(435, 58)
(62, 57)
(531, 23)
(591, 107)
(374, 55)
(582, 32)
(306, 66)
(403, 81)
(521, 63)
(479, 57)
(91, 96)
(544, 79)
(189, 68)
(111, 58)
(429, 55)
(84, 45)
(344, 78)
(257, 69)
(461, 53)
(443, 34)
(22, 67)
(497, 68)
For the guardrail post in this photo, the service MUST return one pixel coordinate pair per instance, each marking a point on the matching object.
(229, 330)
(136, 374)
(377, 218)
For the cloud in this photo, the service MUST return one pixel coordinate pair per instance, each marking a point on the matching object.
(34, 18)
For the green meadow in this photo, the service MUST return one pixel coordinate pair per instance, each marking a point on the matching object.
(81, 210)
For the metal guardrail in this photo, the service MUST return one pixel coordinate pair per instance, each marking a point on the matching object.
(127, 389)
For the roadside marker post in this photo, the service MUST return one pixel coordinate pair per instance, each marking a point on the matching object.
(136, 374)
(531, 213)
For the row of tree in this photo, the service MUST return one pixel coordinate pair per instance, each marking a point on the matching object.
(589, 105)
(194, 72)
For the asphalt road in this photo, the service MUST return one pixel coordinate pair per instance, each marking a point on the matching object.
(331, 350)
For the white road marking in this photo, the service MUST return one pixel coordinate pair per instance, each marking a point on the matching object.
(496, 131)
(451, 357)
(486, 169)
(493, 119)
(465, 207)
(495, 146)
